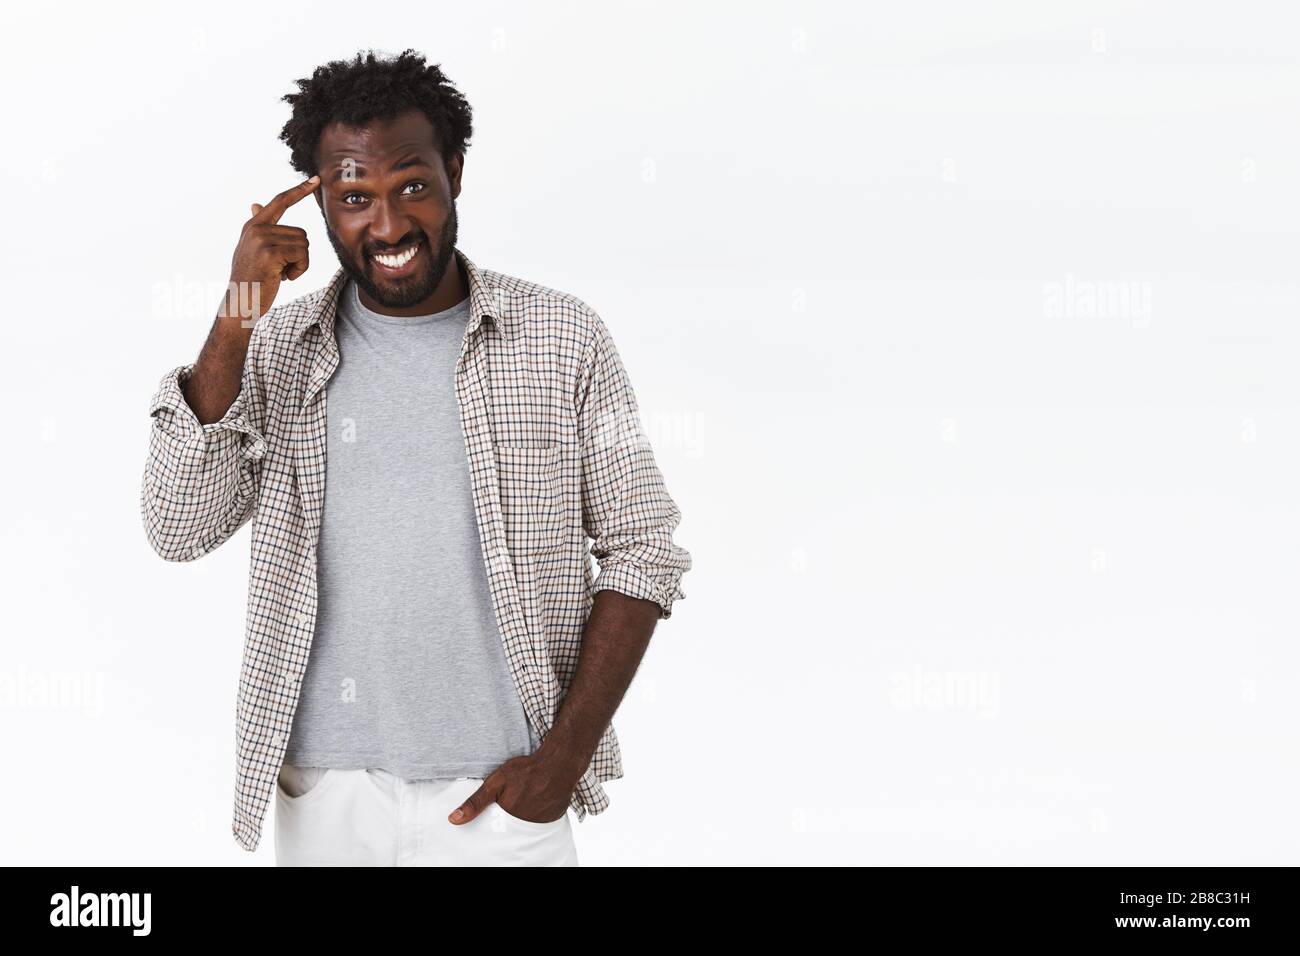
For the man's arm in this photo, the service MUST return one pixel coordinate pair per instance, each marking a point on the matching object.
(614, 640)
(626, 508)
(539, 787)
(630, 518)
(203, 472)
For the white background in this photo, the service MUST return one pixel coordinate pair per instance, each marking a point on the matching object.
(980, 575)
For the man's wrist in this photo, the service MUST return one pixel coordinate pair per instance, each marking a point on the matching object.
(568, 758)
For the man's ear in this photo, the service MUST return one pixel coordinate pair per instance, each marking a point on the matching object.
(454, 166)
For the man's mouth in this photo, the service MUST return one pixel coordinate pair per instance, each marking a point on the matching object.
(397, 263)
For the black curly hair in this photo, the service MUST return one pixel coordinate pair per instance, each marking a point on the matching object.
(368, 88)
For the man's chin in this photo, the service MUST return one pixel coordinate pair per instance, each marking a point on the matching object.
(399, 293)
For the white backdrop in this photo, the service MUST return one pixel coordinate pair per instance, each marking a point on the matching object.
(964, 336)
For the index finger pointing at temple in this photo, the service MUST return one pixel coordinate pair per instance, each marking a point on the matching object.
(272, 211)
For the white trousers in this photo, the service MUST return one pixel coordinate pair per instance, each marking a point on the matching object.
(329, 817)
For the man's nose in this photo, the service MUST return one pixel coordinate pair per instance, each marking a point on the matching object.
(388, 227)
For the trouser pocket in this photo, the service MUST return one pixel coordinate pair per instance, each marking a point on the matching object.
(298, 783)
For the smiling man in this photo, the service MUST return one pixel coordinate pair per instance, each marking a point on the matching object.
(430, 453)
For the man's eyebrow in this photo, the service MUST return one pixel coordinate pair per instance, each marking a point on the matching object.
(359, 169)
(413, 160)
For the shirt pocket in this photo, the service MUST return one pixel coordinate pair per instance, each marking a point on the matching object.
(532, 497)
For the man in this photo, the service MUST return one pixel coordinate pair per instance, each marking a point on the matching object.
(430, 670)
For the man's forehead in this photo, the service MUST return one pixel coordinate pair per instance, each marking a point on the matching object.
(379, 142)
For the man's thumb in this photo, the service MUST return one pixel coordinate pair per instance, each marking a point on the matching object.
(472, 806)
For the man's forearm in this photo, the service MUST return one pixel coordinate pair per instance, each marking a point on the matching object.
(218, 372)
(614, 640)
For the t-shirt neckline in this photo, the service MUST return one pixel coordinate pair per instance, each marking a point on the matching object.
(370, 315)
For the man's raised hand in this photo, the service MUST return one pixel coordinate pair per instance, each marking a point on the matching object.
(267, 254)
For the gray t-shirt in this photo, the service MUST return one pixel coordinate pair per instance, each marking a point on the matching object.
(407, 672)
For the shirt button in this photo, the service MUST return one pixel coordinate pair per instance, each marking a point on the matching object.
(287, 677)
(276, 740)
(303, 618)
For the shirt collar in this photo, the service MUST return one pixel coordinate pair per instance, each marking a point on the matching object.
(485, 302)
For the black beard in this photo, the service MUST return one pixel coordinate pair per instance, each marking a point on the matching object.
(411, 292)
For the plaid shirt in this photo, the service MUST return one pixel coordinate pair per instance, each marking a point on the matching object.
(556, 455)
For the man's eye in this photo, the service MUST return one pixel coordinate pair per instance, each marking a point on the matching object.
(419, 187)
(347, 200)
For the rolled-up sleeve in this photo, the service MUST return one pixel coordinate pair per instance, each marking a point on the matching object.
(626, 508)
(200, 481)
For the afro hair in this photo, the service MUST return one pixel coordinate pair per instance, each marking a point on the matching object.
(369, 88)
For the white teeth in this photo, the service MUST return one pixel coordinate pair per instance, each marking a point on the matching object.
(396, 262)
